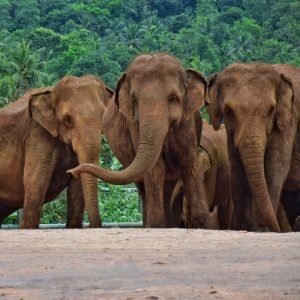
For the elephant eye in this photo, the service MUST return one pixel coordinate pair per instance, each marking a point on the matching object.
(173, 99)
(68, 121)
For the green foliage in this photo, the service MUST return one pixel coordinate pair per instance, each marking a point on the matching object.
(101, 37)
(20, 70)
(115, 203)
(55, 212)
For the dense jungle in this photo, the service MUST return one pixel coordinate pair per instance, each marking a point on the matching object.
(44, 40)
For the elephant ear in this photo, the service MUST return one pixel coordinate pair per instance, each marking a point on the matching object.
(285, 102)
(106, 93)
(109, 93)
(213, 101)
(122, 98)
(196, 92)
(41, 110)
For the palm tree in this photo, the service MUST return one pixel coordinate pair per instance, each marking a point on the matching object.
(25, 67)
(132, 35)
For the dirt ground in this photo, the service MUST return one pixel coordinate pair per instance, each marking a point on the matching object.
(148, 264)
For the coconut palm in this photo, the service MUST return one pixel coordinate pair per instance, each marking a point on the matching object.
(25, 67)
(132, 35)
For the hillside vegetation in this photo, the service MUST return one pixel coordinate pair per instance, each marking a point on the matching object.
(43, 40)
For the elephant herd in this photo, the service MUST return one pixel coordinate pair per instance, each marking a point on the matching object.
(242, 172)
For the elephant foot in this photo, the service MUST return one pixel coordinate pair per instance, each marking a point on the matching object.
(29, 226)
(297, 224)
(212, 220)
(74, 226)
(260, 228)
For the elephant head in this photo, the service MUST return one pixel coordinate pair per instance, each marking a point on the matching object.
(155, 94)
(72, 112)
(253, 100)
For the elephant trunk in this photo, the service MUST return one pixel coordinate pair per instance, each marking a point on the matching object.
(89, 183)
(252, 155)
(152, 135)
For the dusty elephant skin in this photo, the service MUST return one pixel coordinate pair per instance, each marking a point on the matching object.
(148, 264)
(213, 159)
(260, 116)
(159, 101)
(291, 190)
(42, 135)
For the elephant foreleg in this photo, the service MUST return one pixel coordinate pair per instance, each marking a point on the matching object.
(40, 160)
(75, 204)
(283, 220)
(193, 182)
(277, 162)
(154, 196)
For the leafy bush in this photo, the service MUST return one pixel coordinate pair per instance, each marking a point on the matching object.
(115, 202)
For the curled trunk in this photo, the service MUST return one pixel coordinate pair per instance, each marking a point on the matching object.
(253, 160)
(149, 149)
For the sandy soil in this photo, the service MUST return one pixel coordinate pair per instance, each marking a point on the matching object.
(148, 264)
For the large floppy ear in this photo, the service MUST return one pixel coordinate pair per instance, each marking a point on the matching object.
(196, 90)
(108, 94)
(122, 98)
(41, 110)
(214, 108)
(285, 102)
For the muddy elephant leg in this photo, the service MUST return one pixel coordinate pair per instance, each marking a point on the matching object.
(283, 220)
(39, 164)
(277, 165)
(193, 182)
(222, 196)
(75, 204)
(154, 194)
(175, 203)
(171, 213)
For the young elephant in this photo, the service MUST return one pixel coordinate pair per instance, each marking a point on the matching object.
(158, 99)
(257, 105)
(42, 135)
(213, 158)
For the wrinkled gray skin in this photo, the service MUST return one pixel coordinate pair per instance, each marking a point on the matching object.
(160, 101)
(257, 105)
(213, 158)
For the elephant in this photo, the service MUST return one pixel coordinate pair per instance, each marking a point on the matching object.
(158, 100)
(291, 190)
(42, 135)
(213, 158)
(257, 105)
